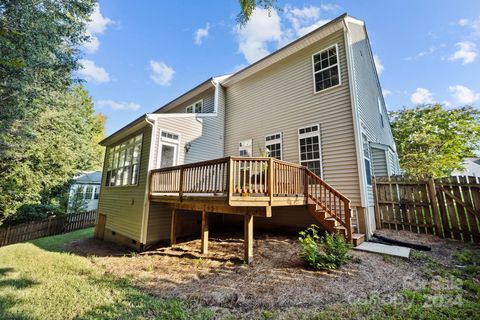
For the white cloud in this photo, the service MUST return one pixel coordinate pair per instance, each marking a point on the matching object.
(264, 27)
(91, 72)
(304, 20)
(97, 25)
(472, 24)
(463, 94)
(386, 93)
(378, 64)
(118, 105)
(467, 51)
(422, 96)
(201, 33)
(161, 73)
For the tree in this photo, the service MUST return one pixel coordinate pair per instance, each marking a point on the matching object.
(63, 141)
(39, 41)
(248, 6)
(433, 141)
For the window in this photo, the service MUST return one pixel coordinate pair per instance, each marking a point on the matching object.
(124, 163)
(195, 108)
(88, 193)
(380, 112)
(245, 148)
(273, 145)
(366, 159)
(96, 193)
(166, 136)
(325, 69)
(310, 151)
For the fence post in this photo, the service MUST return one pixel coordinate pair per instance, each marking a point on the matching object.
(49, 224)
(6, 236)
(378, 216)
(434, 204)
(180, 191)
(270, 180)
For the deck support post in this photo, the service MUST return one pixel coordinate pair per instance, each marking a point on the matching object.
(204, 249)
(248, 238)
(173, 228)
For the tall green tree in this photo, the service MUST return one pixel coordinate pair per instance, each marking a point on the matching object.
(63, 141)
(433, 141)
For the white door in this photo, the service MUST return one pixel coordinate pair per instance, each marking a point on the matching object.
(168, 155)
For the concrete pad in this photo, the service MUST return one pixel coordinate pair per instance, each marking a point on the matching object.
(384, 249)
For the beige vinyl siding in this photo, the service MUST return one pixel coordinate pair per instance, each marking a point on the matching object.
(282, 99)
(123, 205)
(208, 103)
(379, 162)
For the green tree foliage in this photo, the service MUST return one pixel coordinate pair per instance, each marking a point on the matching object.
(63, 141)
(248, 6)
(433, 141)
(48, 128)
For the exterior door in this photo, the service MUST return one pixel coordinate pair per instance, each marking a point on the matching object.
(168, 155)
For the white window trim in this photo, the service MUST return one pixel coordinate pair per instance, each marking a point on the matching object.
(369, 160)
(193, 107)
(169, 142)
(249, 147)
(162, 138)
(130, 174)
(307, 135)
(175, 152)
(339, 69)
(279, 140)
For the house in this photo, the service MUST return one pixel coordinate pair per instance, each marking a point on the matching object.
(315, 106)
(84, 191)
(471, 167)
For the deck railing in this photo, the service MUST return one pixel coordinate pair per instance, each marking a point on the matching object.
(252, 176)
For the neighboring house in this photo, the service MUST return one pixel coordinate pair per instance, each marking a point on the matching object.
(471, 168)
(316, 102)
(84, 191)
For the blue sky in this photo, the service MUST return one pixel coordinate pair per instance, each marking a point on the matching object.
(144, 54)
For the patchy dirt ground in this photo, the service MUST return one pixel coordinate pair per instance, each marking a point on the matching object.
(276, 279)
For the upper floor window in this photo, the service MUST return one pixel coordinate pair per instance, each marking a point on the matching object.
(96, 193)
(273, 144)
(326, 72)
(245, 148)
(123, 167)
(197, 107)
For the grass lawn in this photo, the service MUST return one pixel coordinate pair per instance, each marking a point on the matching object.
(40, 280)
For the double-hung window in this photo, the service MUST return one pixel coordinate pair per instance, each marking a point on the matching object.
(88, 193)
(310, 148)
(273, 145)
(197, 107)
(96, 193)
(366, 159)
(326, 72)
(124, 163)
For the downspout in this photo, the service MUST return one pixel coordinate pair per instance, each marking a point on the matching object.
(146, 202)
(357, 129)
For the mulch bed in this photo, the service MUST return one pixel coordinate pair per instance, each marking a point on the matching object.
(276, 278)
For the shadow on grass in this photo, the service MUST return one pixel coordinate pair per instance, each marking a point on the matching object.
(9, 301)
(132, 303)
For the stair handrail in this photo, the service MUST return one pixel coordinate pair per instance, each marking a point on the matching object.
(346, 220)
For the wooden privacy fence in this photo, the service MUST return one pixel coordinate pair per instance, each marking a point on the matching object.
(51, 226)
(447, 207)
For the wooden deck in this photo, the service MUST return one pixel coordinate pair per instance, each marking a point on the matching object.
(250, 187)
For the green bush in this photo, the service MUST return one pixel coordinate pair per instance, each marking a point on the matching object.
(320, 253)
(33, 212)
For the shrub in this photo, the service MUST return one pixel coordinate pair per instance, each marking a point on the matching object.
(320, 253)
(33, 212)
